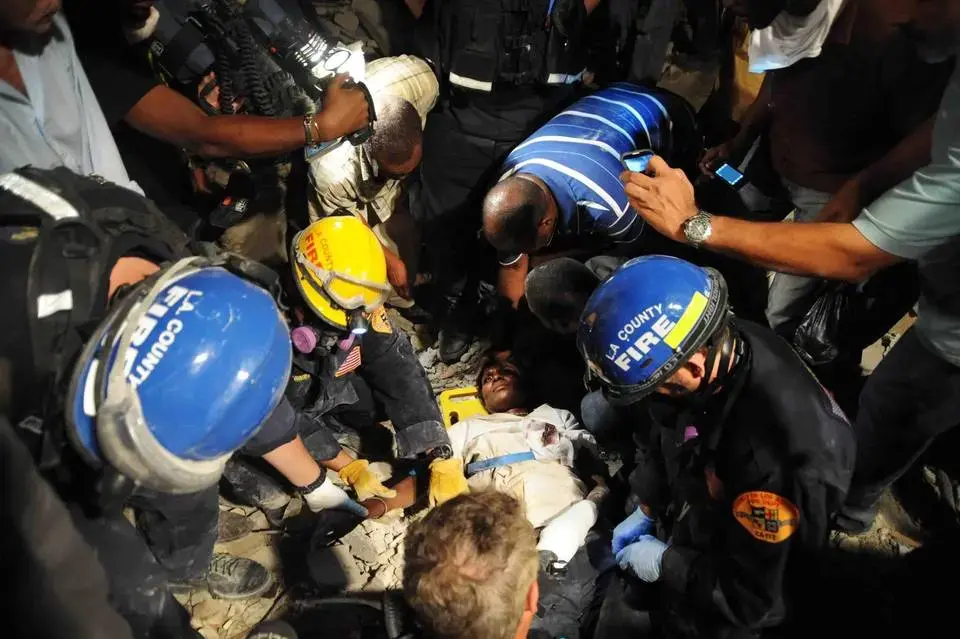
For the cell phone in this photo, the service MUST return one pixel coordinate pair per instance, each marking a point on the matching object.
(637, 160)
(730, 175)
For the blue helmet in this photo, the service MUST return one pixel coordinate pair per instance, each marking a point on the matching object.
(180, 375)
(646, 320)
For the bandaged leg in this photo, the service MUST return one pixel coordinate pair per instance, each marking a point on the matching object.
(566, 532)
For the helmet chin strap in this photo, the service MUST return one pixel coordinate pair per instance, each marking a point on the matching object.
(721, 350)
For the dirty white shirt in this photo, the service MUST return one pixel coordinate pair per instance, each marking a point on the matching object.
(547, 485)
(343, 179)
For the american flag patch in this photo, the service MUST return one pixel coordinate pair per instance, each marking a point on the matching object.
(349, 364)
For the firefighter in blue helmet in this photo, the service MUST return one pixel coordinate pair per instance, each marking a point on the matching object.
(743, 455)
(133, 369)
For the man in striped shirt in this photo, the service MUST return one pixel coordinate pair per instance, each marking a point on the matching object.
(564, 179)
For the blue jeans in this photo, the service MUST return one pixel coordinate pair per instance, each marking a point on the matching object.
(791, 296)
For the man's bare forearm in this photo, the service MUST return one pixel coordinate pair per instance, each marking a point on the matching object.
(168, 116)
(757, 116)
(252, 136)
(831, 251)
(294, 462)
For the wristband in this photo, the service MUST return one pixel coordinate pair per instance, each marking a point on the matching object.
(309, 488)
(308, 132)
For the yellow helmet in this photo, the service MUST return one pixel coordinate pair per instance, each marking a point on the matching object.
(339, 267)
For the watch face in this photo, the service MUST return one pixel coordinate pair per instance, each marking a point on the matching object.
(697, 228)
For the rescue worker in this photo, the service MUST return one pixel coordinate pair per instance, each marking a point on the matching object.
(746, 457)
(502, 71)
(340, 327)
(133, 371)
(561, 183)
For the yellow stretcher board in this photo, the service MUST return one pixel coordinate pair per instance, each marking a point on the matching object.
(458, 404)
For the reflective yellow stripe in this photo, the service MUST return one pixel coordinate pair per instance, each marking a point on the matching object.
(687, 321)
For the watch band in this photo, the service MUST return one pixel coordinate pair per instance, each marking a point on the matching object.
(308, 132)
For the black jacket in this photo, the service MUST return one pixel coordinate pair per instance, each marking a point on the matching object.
(743, 495)
(53, 584)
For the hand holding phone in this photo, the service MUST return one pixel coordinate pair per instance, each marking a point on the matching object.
(637, 160)
(734, 178)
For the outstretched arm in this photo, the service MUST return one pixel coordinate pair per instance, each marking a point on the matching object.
(833, 251)
(169, 116)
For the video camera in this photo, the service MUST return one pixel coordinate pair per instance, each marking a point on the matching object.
(262, 50)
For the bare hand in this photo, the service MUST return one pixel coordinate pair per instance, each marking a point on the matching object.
(345, 110)
(397, 274)
(715, 157)
(845, 204)
(664, 199)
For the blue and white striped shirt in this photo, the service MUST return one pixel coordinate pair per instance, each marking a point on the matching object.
(577, 155)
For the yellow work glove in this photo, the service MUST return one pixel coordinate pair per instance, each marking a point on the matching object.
(446, 480)
(363, 482)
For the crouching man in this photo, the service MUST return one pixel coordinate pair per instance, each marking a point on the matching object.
(745, 461)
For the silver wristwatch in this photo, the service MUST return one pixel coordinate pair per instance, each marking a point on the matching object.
(697, 229)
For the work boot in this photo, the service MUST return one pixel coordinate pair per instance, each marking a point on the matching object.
(456, 331)
(232, 526)
(232, 577)
(272, 630)
(854, 521)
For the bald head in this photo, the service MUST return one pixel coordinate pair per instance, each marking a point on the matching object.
(397, 136)
(513, 214)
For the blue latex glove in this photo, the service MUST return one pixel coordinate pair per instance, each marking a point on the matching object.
(631, 529)
(643, 558)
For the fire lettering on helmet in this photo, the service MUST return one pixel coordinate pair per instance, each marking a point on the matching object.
(310, 248)
(642, 345)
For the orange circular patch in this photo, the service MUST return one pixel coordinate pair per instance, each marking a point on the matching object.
(767, 516)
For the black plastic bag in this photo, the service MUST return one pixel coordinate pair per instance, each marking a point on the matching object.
(819, 337)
